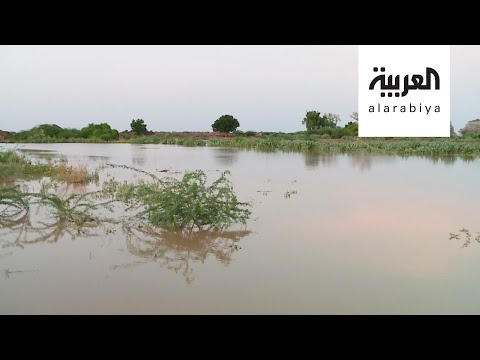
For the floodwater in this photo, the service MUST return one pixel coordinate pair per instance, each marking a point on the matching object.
(329, 234)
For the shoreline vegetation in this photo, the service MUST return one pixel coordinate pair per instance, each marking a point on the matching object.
(296, 142)
(322, 135)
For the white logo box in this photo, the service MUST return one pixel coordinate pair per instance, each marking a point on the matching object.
(423, 110)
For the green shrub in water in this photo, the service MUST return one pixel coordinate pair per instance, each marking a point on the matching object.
(186, 204)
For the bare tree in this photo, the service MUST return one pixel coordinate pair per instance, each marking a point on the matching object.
(452, 131)
(354, 116)
(471, 128)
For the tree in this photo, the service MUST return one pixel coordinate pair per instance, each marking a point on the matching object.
(332, 119)
(452, 131)
(138, 126)
(50, 130)
(471, 129)
(313, 120)
(351, 129)
(354, 116)
(225, 124)
(99, 131)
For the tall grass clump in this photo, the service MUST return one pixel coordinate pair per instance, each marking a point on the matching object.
(72, 174)
(17, 167)
(14, 166)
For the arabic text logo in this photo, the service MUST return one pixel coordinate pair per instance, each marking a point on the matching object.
(417, 82)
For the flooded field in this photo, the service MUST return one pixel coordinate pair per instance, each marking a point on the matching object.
(328, 234)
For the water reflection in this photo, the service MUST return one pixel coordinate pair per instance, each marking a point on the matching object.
(35, 151)
(446, 159)
(63, 189)
(176, 251)
(226, 157)
(21, 230)
(98, 158)
(179, 251)
(138, 155)
(48, 155)
(314, 159)
(364, 160)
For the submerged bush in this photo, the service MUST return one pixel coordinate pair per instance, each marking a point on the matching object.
(12, 202)
(75, 208)
(183, 204)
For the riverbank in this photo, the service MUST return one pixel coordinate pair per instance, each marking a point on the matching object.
(301, 141)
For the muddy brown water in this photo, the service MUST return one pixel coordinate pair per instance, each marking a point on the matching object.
(329, 234)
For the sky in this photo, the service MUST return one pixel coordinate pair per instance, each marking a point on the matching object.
(186, 88)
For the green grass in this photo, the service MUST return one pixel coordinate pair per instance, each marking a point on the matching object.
(307, 142)
(299, 142)
(401, 147)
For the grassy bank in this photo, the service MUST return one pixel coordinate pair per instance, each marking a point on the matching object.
(407, 147)
(301, 142)
(314, 143)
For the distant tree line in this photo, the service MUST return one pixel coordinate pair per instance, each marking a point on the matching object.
(101, 132)
(326, 125)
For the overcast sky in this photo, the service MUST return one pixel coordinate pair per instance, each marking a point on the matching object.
(180, 87)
